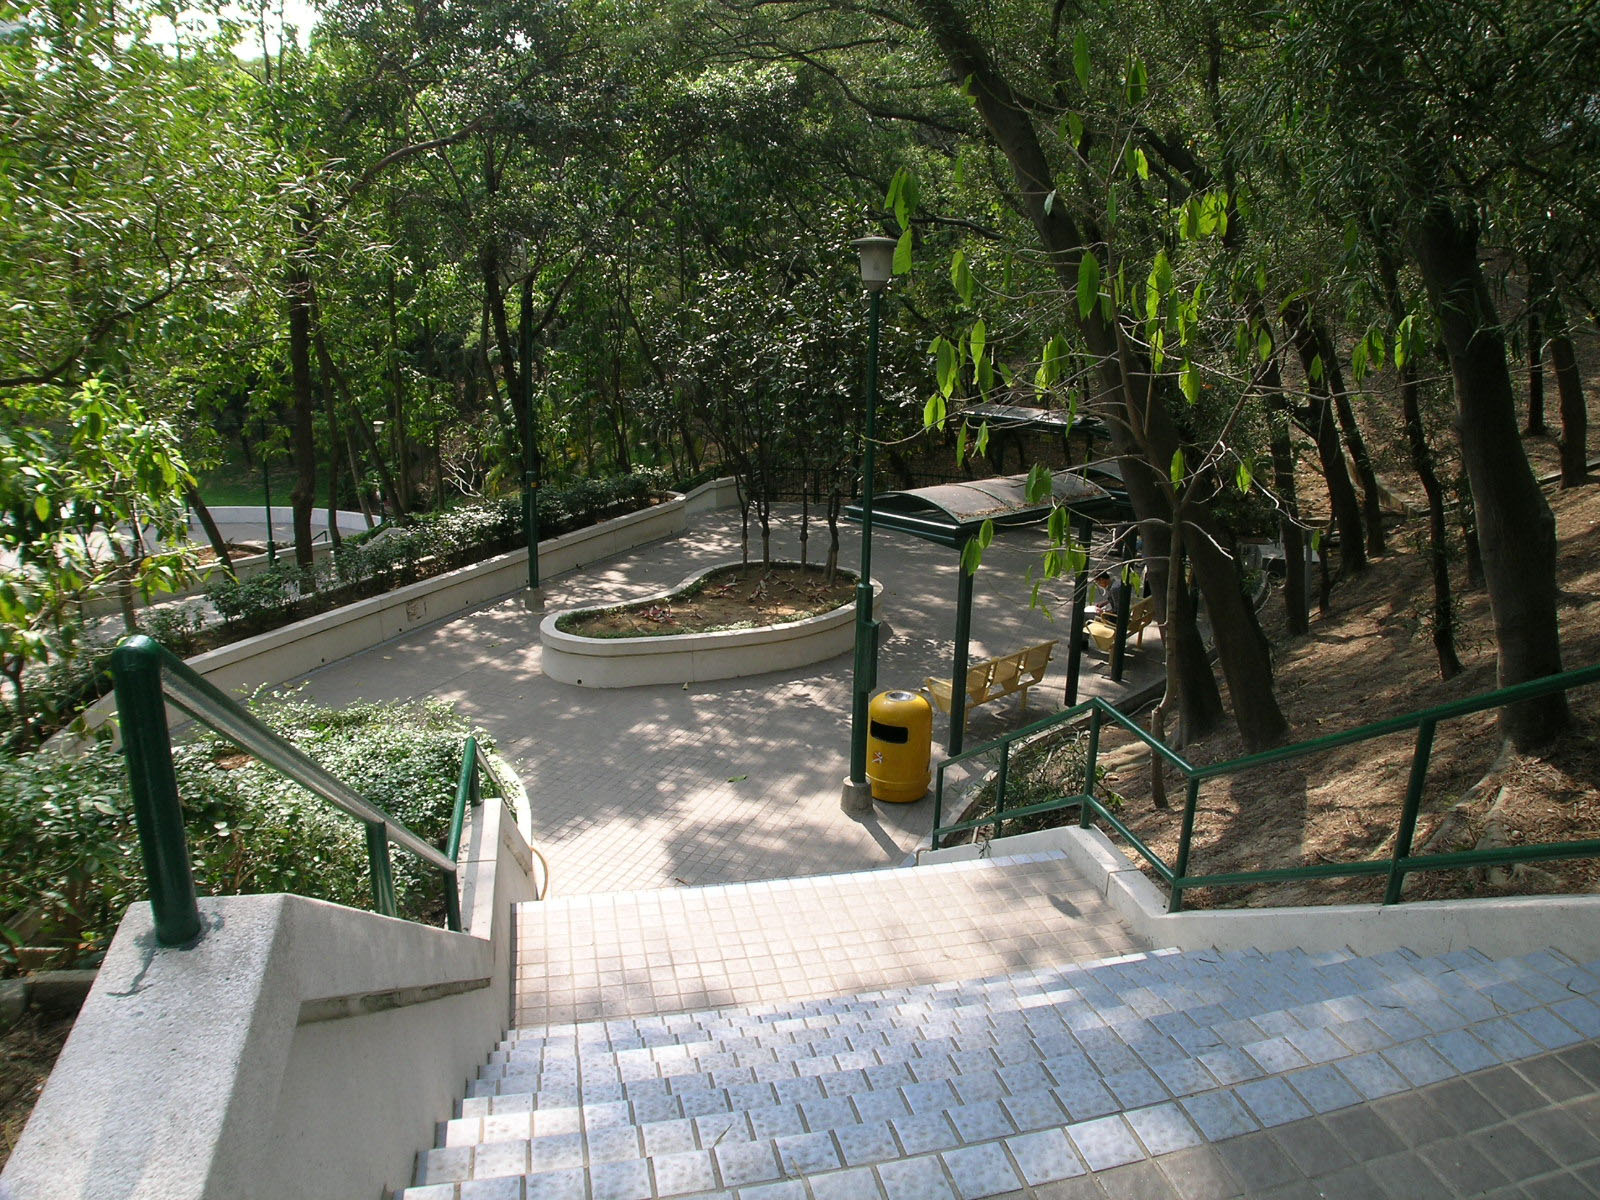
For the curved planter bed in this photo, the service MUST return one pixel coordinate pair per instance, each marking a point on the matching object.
(692, 657)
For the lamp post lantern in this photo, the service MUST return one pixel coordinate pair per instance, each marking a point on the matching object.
(877, 261)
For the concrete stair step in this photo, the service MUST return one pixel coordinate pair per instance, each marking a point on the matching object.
(607, 956)
(988, 1083)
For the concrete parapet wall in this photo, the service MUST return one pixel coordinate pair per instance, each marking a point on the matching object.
(298, 1050)
(283, 654)
(1497, 927)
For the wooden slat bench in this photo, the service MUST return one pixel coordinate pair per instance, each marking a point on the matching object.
(993, 678)
(1104, 631)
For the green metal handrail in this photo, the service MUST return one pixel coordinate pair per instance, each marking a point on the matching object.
(1176, 874)
(147, 677)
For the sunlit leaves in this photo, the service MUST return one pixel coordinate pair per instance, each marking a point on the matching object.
(902, 253)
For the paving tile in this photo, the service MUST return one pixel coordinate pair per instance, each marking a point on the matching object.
(443, 1166)
(870, 1142)
(1218, 1115)
(1314, 1147)
(1461, 1165)
(1507, 1090)
(1163, 1128)
(1136, 1181)
(980, 1122)
(1405, 1176)
(1258, 1162)
(806, 1153)
(784, 1189)
(1199, 1174)
(1272, 1101)
(509, 1188)
(980, 1171)
(1044, 1157)
(855, 1184)
(680, 1174)
(620, 1180)
(1554, 1078)
(1105, 1142)
(915, 1179)
(1372, 1076)
(1565, 1137)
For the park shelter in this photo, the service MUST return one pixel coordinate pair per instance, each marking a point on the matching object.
(951, 514)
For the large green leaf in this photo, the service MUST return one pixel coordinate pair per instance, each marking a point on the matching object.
(1088, 283)
(902, 253)
(961, 277)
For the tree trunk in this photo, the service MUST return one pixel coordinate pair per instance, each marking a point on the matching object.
(1444, 620)
(1320, 419)
(1290, 532)
(1371, 496)
(302, 428)
(1516, 529)
(1241, 649)
(207, 522)
(1535, 374)
(1574, 412)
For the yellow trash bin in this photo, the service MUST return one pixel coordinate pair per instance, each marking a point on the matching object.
(899, 745)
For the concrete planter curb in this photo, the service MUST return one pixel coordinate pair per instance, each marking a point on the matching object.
(1497, 927)
(692, 657)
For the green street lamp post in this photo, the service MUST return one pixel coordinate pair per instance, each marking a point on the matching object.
(877, 261)
(266, 486)
(530, 453)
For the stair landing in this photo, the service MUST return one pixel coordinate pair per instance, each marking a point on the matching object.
(628, 954)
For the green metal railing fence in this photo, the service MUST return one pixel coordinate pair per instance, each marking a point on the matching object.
(147, 677)
(1401, 862)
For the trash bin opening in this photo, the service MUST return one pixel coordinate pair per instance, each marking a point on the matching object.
(898, 734)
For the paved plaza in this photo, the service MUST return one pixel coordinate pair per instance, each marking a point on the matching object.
(732, 780)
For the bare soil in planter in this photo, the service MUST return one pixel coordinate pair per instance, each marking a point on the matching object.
(740, 597)
(28, 1051)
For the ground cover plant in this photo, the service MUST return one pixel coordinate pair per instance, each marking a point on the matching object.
(72, 855)
(737, 597)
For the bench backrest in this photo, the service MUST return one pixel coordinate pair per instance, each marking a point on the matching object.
(978, 676)
(1142, 613)
(1036, 658)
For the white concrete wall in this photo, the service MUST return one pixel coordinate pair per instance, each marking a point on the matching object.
(718, 493)
(292, 650)
(297, 1051)
(1497, 927)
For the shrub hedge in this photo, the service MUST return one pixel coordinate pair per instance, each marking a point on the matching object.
(72, 855)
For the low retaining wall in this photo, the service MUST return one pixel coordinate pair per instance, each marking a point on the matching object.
(284, 654)
(298, 1049)
(1497, 927)
(691, 657)
(244, 566)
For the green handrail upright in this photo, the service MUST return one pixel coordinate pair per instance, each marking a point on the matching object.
(147, 743)
(147, 677)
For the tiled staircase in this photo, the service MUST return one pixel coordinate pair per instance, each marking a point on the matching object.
(963, 1086)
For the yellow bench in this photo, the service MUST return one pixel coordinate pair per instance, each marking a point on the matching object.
(1104, 631)
(996, 677)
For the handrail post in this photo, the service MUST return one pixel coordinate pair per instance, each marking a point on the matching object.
(1180, 866)
(136, 668)
(1408, 812)
(1000, 788)
(383, 900)
(1089, 769)
(938, 806)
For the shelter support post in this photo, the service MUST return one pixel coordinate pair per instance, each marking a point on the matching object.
(1080, 600)
(958, 670)
(1119, 644)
